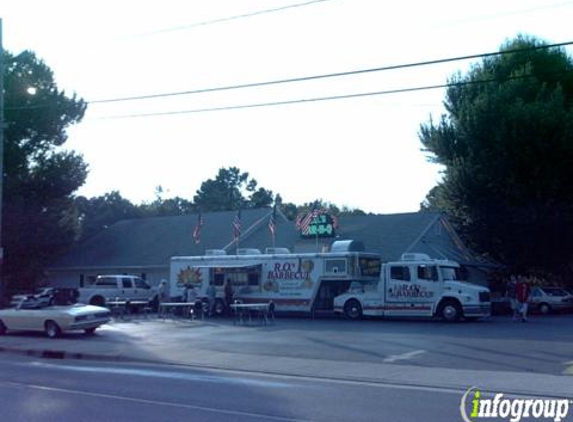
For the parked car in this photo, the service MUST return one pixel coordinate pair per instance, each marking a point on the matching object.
(28, 315)
(42, 297)
(550, 299)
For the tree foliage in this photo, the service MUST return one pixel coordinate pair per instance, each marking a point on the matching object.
(98, 213)
(507, 147)
(231, 190)
(39, 217)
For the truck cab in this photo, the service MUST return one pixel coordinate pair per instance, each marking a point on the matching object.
(121, 287)
(417, 286)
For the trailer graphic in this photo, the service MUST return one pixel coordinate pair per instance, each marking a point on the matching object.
(344, 280)
(301, 282)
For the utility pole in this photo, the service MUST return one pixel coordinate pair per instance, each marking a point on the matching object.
(2, 284)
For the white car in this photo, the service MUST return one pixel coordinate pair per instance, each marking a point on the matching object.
(550, 299)
(53, 320)
(42, 297)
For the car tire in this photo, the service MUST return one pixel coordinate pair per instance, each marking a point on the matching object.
(52, 329)
(219, 308)
(90, 331)
(97, 301)
(353, 310)
(545, 308)
(450, 311)
(2, 328)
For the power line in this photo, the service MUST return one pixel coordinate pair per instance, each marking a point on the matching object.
(235, 17)
(307, 78)
(320, 99)
(329, 75)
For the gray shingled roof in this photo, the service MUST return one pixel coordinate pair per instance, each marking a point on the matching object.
(387, 235)
(153, 241)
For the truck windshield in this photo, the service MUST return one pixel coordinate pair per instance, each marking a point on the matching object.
(370, 267)
(450, 273)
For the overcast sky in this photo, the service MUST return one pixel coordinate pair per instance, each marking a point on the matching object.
(360, 152)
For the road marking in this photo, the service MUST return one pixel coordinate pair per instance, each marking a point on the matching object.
(154, 402)
(403, 356)
(568, 368)
(164, 374)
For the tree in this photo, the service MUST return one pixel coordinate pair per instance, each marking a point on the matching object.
(39, 216)
(97, 214)
(507, 147)
(226, 192)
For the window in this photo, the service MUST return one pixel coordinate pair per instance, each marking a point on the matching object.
(450, 273)
(107, 283)
(427, 272)
(370, 267)
(335, 266)
(554, 292)
(126, 283)
(400, 273)
(253, 278)
(140, 284)
(239, 276)
(218, 276)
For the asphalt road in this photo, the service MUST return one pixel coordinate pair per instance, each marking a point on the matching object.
(53, 390)
(544, 345)
(295, 370)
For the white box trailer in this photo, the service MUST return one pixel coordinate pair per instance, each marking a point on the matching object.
(416, 286)
(302, 282)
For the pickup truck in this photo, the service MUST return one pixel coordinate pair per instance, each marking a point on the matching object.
(120, 287)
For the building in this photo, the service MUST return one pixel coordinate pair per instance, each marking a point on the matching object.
(144, 246)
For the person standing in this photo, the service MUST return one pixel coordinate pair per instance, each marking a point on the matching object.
(522, 293)
(228, 291)
(190, 294)
(212, 296)
(162, 291)
(510, 295)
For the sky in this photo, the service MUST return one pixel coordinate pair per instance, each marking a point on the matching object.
(361, 152)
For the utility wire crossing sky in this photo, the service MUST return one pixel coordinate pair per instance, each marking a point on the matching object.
(246, 58)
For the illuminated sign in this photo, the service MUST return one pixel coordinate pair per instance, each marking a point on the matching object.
(321, 225)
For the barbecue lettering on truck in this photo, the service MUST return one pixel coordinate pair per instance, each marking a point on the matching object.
(409, 291)
(287, 271)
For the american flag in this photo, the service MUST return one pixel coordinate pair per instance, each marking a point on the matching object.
(237, 226)
(197, 229)
(273, 223)
(304, 222)
(335, 223)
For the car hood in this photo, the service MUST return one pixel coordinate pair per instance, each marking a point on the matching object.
(464, 286)
(78, 309)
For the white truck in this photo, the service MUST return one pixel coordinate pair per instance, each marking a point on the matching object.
(416, 286)
(120, 287)
(303, 282)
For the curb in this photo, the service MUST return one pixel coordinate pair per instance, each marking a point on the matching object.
(441, 386)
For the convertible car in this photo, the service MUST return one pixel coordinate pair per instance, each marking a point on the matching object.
(53, 320)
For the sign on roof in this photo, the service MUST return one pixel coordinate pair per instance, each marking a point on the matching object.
(318, 224)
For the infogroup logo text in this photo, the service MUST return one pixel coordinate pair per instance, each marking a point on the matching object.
(474, 407)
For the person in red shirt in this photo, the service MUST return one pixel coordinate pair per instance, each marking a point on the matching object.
(522, 292)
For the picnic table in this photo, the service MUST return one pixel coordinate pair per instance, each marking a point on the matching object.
(260, 312)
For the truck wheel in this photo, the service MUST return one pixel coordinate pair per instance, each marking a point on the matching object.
(52, 329)
(353, 309)
(545, 308)
(450, 311)
(2, 328)
(97, 301)
(90, 331)
(219, 308)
